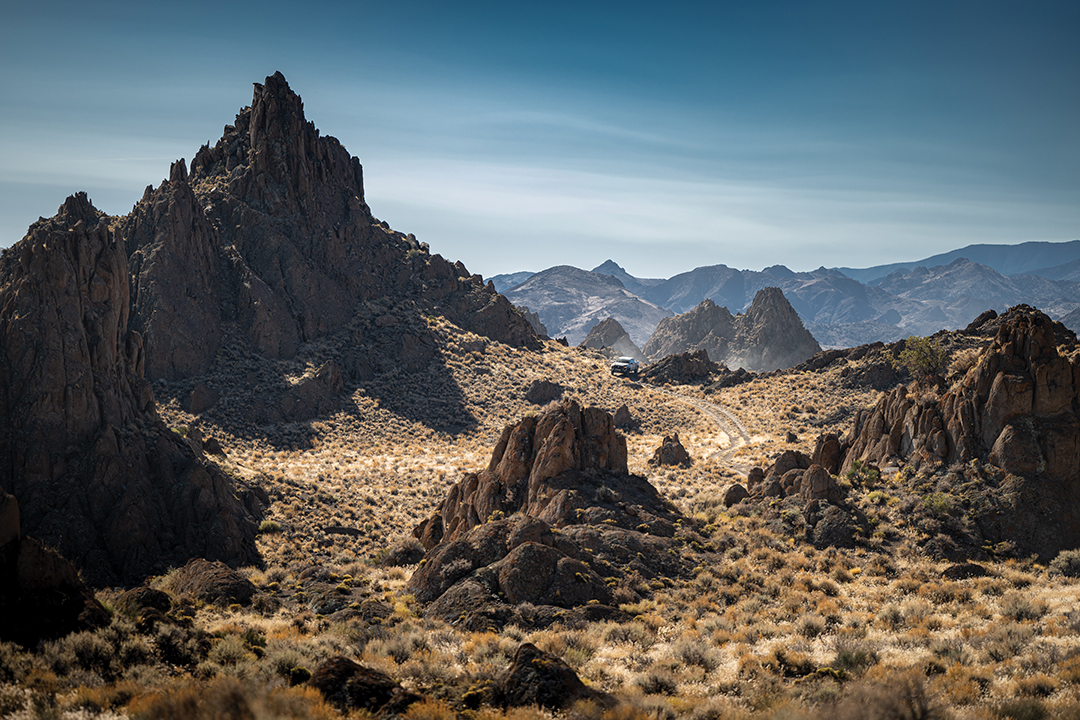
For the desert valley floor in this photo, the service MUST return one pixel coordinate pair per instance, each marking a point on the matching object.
(763, 625)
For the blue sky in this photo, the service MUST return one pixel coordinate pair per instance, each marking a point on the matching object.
(518, 136)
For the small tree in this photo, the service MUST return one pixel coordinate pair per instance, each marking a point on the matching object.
(922, 357)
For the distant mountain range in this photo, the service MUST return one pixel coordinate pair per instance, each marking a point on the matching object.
(842, 307)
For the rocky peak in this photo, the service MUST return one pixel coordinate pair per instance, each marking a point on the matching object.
(609, 334)
(491, 544)
(770, 335)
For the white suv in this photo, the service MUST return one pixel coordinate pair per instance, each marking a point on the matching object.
(625, 366)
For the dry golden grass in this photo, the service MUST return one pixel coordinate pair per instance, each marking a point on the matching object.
(769, 627)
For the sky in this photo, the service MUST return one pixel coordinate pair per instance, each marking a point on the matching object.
(518, 136)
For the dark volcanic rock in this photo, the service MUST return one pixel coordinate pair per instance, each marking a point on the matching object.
(683, 368)
(41, 593)
(211, 582)
(671, 452)
(541, 392)
(96, 473)
(539, 678)
(349, 686)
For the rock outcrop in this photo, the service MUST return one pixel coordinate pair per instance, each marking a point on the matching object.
(349, 686)
(1017, 408)
(494, 555)
(671, 452)
(41, 593)
(683, 368)
(768, 336)
(96, 473)
(608, 335)
(707, 327)
(539, 678)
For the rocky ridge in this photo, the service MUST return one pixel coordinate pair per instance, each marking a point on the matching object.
(1016, 409)
(768, 336)
(264, 251)
(96, 473)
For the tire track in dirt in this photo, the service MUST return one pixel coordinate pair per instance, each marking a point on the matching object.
(728, 424)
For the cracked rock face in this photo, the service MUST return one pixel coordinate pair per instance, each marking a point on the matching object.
(1017, 408)
(553, 515)
(96, 473)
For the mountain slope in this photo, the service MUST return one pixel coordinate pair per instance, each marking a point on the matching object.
(631, 283)
(1006, 259)
(768, 336)
(570, 301)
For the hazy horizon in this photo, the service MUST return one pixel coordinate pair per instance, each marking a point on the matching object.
(517, 138)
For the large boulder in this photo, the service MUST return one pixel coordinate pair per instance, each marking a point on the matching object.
(349, 687)
(671, 452)
(539, 678)
(41, 593)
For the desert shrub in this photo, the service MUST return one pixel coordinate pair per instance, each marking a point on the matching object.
(631, 633)
(863, 474)
(177, 646)
(939, 504)
(12, 699)
(853, 654)
(922, 357)
(229, 650)
(1066, 563)
(1023, 709)
(103, 698)
(891, 617)
(810, 625)
(898, 698)
(1006, 641)
(657, 681)
(86, 650)
(1037, 685)
(401, 645)
(1020, 607)
(580, 647)
(964, 361)
(135, 651)
(692, 651)
(269, 527)
(14, 663)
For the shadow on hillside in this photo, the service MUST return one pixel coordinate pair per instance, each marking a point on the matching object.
(401, 367)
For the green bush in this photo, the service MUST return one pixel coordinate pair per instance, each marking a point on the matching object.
(922, 357)
(1066, 563)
